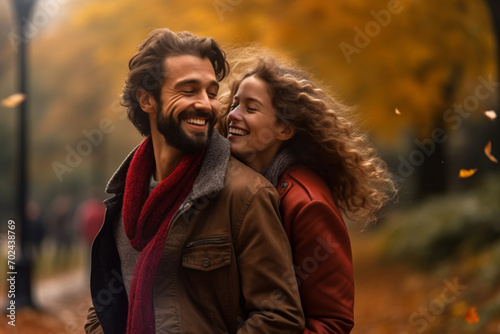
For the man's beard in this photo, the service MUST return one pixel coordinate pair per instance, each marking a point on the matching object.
(175, 135)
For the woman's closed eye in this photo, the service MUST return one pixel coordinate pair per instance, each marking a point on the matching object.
(252, 109)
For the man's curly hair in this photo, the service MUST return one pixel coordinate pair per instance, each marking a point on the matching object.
(147, 67)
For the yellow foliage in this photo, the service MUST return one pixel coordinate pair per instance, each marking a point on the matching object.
(423, 58)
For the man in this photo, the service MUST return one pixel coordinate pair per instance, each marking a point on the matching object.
(191, 241)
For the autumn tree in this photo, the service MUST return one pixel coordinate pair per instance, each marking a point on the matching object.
(418, 56)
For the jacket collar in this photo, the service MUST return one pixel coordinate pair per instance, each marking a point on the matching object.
(210, 179)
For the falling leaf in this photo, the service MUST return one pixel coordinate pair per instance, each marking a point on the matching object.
(491, 114)
(465, 173)
(487, 151)
(396, 110)
(14, 100)
(471, 316)
(459, 308)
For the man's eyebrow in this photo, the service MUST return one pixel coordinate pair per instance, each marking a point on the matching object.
(214, 83)
(194, 82)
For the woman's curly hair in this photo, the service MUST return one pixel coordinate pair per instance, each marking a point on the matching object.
(326, 139)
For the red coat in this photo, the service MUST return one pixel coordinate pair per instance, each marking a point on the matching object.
(321, 250)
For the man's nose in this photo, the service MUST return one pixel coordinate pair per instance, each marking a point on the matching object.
(203, 103)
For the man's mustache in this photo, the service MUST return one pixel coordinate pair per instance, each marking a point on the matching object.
(196, 113)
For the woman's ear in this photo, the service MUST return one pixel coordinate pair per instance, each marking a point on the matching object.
(286, 132)
(146, 101)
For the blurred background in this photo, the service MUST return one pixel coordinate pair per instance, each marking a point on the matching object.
(421, 73)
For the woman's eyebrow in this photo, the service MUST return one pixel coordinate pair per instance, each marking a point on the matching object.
(253, 99)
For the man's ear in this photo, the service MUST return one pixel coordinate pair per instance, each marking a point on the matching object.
(286, 132)
(146, 101)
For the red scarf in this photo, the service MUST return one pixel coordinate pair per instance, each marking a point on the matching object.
(146, 218)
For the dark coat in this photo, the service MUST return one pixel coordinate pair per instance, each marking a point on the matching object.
(224, 261)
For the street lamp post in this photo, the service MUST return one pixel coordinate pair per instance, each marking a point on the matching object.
(23, 263)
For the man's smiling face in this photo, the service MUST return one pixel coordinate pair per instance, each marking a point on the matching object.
(188, 103)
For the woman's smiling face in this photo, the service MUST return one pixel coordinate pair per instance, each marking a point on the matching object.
(254, 132)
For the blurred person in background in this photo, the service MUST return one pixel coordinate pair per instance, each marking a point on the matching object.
(62, 229)
(284, 126)
(192, 241)
(35, 232)
(90, 215)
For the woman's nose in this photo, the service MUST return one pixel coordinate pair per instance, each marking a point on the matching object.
(234, 114)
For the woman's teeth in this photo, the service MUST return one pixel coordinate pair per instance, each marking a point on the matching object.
(238, 132)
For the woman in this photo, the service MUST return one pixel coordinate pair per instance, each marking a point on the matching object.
(284, 126)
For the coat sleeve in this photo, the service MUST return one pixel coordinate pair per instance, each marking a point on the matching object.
(264, 258)
(323, 264)
(92, 326)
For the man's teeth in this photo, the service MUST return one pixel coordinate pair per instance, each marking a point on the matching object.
(197, 121)
(238, 132)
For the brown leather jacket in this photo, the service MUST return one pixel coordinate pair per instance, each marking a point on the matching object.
(226, 266)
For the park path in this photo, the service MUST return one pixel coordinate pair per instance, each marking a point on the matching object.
(386, 297)
(398, 298)
(62, 302)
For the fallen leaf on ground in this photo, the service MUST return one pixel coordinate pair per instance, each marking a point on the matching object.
(14, 100)
(465, 173)
(396, 110)
(491, 114)
(487, 151)
(471, 316)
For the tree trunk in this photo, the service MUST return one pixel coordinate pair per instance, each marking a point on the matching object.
(433, 172)
(494, 6)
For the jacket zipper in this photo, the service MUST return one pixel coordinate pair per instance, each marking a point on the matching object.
(179, 212)
(205, 241)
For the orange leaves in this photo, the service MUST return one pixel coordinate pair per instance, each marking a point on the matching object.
(490, 114)
(465, 173)
(396, 110)
(14, 100)
(471, 316)
(487, 151)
